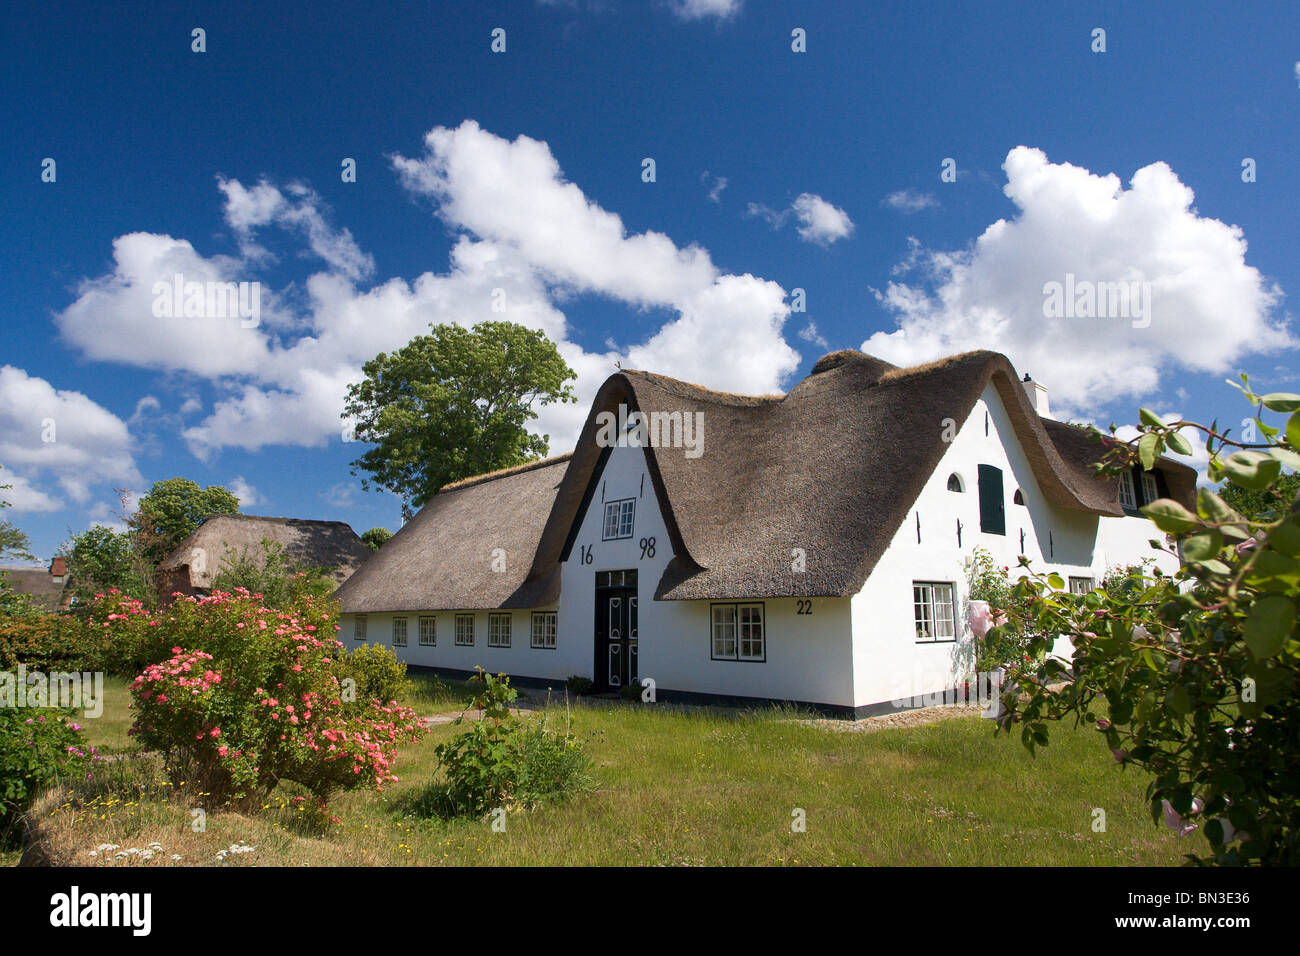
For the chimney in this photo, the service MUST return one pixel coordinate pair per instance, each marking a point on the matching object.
(59, 568)
(1037, 396)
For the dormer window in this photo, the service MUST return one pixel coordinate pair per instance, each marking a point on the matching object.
(1127, 494)
(1018, 498)
(954, 483)
(1150, 490)
(618, 519)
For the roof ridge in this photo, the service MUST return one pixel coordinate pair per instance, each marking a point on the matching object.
(243, 516)
(669, 383)
(505, 472)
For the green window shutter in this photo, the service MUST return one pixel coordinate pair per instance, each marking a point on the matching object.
(993, 514)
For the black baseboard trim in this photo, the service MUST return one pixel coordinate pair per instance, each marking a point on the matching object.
(949, 697)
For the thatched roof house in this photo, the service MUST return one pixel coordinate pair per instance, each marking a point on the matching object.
(46, 587)
(832, 467)
(860, 472)
(192, 566)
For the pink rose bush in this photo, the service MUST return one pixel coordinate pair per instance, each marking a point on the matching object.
(243, 696)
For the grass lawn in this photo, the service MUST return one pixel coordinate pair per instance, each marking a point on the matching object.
(679, 788)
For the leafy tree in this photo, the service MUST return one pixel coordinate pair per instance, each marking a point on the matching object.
(1259, 503)
(14, 543)
(100, 559)
(171, 511)
(281, 584)
(376, 538)
(1195, 678)
(453, 404)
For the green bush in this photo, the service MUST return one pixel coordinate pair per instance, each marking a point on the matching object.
(379, 675)
(502, 761)
(38, 749)
(630, 691)
(280, 583)
(250, 697)
(51, 642)
(579, 685)
(1193, 678)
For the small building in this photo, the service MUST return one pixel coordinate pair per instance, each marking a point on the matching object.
(192, 566)
(47, 587)
(809, 547)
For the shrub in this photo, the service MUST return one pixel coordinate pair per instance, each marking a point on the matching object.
(277, 582)
(249, 696)
(1195, 678)
(131, 636)
(377, 673)
(38, 749)
(51, 642)
(579, 685)
(630, 691)
(502, 761)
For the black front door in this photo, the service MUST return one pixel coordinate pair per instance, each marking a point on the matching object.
(616, 629)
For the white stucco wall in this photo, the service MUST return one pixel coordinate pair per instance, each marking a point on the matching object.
(808, 655)
(519, 658)
(888, 663)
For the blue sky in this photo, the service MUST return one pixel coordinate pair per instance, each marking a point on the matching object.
(775, 170)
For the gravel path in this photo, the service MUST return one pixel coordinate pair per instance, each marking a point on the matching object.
(903, 718)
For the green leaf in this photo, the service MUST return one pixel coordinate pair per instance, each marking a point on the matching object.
(1255, 470)
(1213, 507)
(1293, 431)
(1180, 700)
(1286, 537)
(1148, 448)
(1204, 546)
(1150, 418)
(1179, 444)
(1269, 625)
(1055, 580)
(1286, 456)
(1281, 402)
(1170, 516)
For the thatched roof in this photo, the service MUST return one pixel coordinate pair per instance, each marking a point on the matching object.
(316, 544)
(38, 583)
(832, 468)
(443, 558)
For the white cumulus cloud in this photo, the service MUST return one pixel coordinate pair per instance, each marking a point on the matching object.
(1208, 308)
(56, 438)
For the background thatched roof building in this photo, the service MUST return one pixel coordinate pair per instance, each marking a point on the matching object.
(318, 544)
(45, 586)
(470, 547)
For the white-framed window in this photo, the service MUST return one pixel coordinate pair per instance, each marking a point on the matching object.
(1150, 490)
(618, 519)
(499, 630)
(464, 630)
(738, 633)
(1081, 585)
(399, 632)
(544, 630)
(428, 631)
(1127, 496)
(932, 608)
(359, 627)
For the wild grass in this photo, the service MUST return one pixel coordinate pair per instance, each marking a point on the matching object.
(677, 787)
